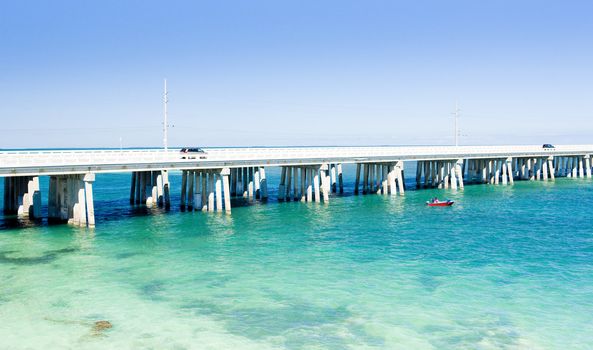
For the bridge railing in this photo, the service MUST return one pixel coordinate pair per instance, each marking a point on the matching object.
(359, 153)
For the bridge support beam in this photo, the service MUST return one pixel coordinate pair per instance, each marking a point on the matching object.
(333, 177)
(151, 188)
(71, 199)
(380, 178)
(459, 165)
(510, 172)
(340, 179)
(438, 173)
(534, 169)
(309, 183)
(248, 182)
(22, 196)
(206, 190)
(578, 166)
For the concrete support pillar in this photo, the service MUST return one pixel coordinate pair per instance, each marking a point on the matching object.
(447, 173)
(138, 189)
(378, 178)
(340, 179)
(441, 174)
(523, 169)
(459, 170)
(250, 186)
(191, 175)
(295, 184)
(317, 197)
(419, 165)
(198, 203)
(256, 183)
(245, 177)
(204, 192)
(538, 168)
(333, 178)
(78, 215)
(544, 169)
(71, 199)
(89, 178)
(372, 181)
(309, 172)
(399, 176)
(211, 179)
(490, 171)
(587, 158)
(133, 188)
(530, 169)
(551, 169)
(145, 187)
(496, 169)
(467, 170)
(226, 190)
(183, 188)
(357, 181)
(160, 188)
(509, 163)
(325, 182)
(504, 173)
(391, 178)
(233, 181)
(581, 167)
(239, 189)
(565, 167)
(52, 200)
(282, 186)
(22, 196)
(384, 182)
(303, 190)
(152, 190)
(263, 184)
(79, 209)
(453, 176)
(218, 188)
(365, 183)
(288, 183)
(427, 173)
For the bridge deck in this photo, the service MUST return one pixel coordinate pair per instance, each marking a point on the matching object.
(50, 162)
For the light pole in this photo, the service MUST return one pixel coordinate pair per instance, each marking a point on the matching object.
(165, 121)
(456, 116)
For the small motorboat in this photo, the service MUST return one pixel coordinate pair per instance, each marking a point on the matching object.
(438, 203)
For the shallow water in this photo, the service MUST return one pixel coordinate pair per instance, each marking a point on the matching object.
(505, 268)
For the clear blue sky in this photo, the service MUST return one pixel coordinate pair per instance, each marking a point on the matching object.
(76, 74)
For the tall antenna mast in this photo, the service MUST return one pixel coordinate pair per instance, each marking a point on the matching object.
(456, 115)
(165, 122)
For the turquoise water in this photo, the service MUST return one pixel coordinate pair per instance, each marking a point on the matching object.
(505, 268)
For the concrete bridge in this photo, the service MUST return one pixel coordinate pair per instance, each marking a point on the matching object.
(308, 174)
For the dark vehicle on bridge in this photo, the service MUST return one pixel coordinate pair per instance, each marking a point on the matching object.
(548, 146)
(193, 153)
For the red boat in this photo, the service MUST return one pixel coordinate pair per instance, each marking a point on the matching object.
(438, 203)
